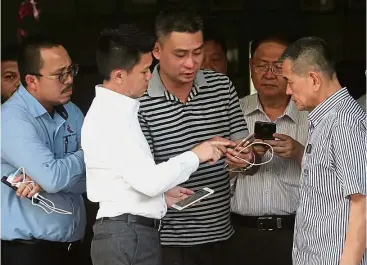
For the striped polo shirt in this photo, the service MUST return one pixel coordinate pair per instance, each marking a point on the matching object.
(171, 128)
(273, 189)
(333, 168)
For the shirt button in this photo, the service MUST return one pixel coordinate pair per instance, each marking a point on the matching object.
(305, 172)
(47, 165)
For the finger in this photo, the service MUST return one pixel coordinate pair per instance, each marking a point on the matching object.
(18, 179)
(27, 189)
(36, 189)
(20, 189)
(281, 137)
(242, 154)
(279, 150)
(222, 143)
(189, 192)
(222, 149)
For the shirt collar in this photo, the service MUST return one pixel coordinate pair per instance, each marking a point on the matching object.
(328, 104)
(156, 87)
(255, 105)
(116, 100)
(35, 108)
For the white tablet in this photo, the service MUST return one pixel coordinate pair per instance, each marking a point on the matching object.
(199, 195)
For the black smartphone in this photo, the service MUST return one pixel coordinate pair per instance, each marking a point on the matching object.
(265, 130)
(7, 183)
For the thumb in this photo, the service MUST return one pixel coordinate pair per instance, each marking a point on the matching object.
(18, 179)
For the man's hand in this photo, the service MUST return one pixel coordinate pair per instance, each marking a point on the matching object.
(235, 158)
(211, 151)
(260, 149)
(286, 147)
(28, 189)
(176, 194)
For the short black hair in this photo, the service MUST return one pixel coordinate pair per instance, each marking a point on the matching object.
(310, 53)
(169, 21)
(281, 38)
(212, 34)
(121, 48)
(9, 53)
(29, 58)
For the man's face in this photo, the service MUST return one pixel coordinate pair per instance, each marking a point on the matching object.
(137, 79)
(268, 82)
(9, 79)
(180, 55)
(299, 87)
(56, 65)
(214, 57)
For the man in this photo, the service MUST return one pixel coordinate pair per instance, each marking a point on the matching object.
(264, 204)
(214, 52)
(41, 133)
(331, 218)
(184, 106)
(122, 175)
(9, 72)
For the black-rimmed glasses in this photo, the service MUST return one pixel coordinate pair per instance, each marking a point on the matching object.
(63, 76)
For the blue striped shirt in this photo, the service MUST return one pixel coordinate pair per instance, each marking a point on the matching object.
(32, 139)
(333, 168)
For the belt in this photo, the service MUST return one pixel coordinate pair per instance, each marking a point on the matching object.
(265, 223)
(40, 242)
(137, 219)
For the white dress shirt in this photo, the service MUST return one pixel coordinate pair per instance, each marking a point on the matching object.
(121, 173)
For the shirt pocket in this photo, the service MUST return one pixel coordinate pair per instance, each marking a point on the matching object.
(70, 143)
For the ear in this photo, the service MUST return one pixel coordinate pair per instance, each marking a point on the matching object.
(31, 82)
(118, 76)
(157, 50)
(316, 80)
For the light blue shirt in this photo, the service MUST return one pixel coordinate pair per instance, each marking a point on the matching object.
(49, 150)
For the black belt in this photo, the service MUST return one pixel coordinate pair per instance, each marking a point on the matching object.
(130, 218)
(265, 223)
(40, 242)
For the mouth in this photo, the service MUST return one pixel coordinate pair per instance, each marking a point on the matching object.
(189, 74)
(269, 85)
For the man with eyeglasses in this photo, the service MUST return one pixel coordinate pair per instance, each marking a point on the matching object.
(263, 205)
(41, 135)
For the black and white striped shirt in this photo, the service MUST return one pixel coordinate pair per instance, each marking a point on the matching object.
(172, 127)
(333, 168)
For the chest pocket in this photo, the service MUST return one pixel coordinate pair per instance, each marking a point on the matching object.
(70, 142)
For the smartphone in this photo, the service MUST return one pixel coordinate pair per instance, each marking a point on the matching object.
(199, 195)
(265, 130)
(7, 183)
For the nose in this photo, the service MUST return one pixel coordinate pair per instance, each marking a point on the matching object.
(269, 74)
(189, 63)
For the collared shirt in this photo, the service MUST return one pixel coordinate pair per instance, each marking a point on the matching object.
(121, 173)
(49, 150)
(273, 189)
(172, 127)
(333, 168)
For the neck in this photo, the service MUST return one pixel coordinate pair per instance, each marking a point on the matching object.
(331, 87)
(274, 107)
(48, 107)
(112, 86)
(180, 90)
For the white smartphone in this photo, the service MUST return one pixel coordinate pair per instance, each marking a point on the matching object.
(199, 195)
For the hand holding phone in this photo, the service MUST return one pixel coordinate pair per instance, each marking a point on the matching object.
(265, 130)
(199, 195)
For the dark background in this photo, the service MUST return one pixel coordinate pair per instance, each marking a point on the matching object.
(76, 23)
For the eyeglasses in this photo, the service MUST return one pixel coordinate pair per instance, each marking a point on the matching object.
(63, 77)
(275, 68)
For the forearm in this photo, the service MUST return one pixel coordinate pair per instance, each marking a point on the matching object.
(355, 242)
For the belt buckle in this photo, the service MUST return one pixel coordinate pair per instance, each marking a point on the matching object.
(260, 223)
